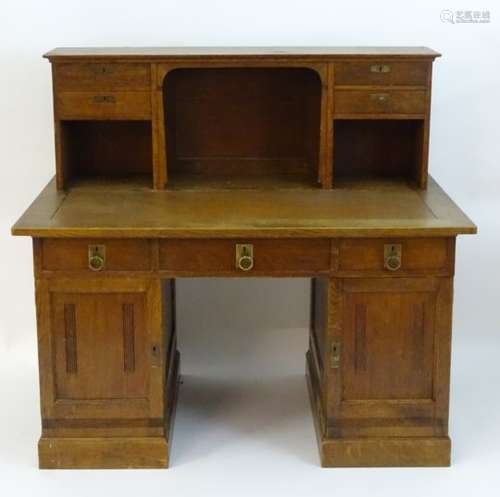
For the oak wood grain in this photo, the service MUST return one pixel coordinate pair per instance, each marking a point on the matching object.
(94, 209)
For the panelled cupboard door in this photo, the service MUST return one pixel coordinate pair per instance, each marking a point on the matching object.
(395, 339)
(100, 343)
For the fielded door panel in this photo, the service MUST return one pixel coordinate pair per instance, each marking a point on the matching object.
(394, 373)
(103, 341)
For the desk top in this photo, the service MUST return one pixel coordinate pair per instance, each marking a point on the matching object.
(149, 53)
(121, 209)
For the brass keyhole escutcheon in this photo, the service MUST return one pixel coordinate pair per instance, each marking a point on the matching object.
(392, 257)
(380, 68)
(244, 256)
(380, 97)
(104, 99)
(335, 354)
(97, 257)
(99, 69)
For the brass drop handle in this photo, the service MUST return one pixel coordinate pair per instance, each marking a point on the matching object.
(393, 263)
(96, 263)
(244, 257)
(245, 263)
(97, 257)
(392, 257)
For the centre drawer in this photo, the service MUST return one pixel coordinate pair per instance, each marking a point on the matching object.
(223, 257)
(379, 102)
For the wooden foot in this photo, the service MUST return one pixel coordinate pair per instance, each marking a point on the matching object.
(105, 453)
(114, 452)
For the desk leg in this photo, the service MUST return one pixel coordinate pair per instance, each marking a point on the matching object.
(108, 371)
(378, 370)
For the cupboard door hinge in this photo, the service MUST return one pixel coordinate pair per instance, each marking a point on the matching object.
(335, 349)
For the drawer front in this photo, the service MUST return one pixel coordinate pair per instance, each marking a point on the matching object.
(116, 105)
(269, 256)
(381, 73)
(118, 255)
(429, 256)
(379, 102)
(102, 77)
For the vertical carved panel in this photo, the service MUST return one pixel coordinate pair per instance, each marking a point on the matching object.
(360, 337)
(128, 338)
(418, 334)
(70, 338)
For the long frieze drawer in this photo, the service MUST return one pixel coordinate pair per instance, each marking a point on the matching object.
(379, 102)
(381, 73)
(111, 105)
(392, 257)
(240, 257)
(102, 77)
(96, 256)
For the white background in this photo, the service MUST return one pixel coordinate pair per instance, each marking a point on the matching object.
(243, 425)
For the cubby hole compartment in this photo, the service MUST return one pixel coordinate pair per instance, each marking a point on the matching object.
(107, 150)
(377, 149)
(242, 127)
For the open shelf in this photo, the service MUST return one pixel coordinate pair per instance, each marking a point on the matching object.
(239, 127)
(106, 149)
(377, 149)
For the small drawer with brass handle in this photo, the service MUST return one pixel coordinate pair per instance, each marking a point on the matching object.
(95, 255)
(115, 105)
(76, 76)
(384, 257)
(381, 73)
(348, 102)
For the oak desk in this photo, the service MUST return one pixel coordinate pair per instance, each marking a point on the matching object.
(243, 163)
